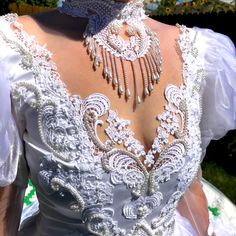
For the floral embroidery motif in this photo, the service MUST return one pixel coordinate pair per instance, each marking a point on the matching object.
(119, 132)
(127, 169)
(141, 207)
(91, 171)
(99, 222)
(63, 129)
(85, 182)
(170, 162)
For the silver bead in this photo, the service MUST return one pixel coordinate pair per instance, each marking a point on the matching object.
(146, 92)
(120, 90)
(150, 87)
(128, 93)
(139, 99)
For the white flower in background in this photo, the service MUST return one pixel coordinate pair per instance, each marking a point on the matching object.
(182, 1)
(228, 1)
(59, 3)
(152, 5)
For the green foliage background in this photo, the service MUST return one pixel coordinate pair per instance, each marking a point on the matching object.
(169, 7)
(46, 3)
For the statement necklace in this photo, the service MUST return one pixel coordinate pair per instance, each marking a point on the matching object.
(105, 45)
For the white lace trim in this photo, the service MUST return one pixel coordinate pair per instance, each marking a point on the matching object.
(62, 116)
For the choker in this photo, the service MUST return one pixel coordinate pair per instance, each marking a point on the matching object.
(138, 45)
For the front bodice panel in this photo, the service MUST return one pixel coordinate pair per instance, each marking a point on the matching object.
(93, 186)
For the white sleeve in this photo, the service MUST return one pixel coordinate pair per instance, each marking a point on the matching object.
(219, 86)
(10, 142)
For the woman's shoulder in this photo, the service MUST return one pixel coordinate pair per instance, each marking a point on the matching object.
(218, 54)
(209, 39)
(203, 37)
(6, 22)
(162, 29)
(11, 21)
(29, 24)
(10, 27)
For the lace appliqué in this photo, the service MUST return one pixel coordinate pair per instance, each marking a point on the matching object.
(119, 132)
(84, 182)
(62, 117)
(141, 207)
(105, 45)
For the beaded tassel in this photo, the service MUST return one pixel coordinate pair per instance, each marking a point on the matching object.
(145, 80)
(105, 66)
(137, 97)
(109, 71)
(105, 43)
(150, 86)
(149, 66)
(120, 89)
(114, 72)
(127, 91)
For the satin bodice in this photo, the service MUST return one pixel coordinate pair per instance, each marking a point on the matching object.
(89, 187)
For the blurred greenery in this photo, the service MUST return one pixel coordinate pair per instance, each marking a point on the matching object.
(4, 6)
(172, 7)
(155, 7)
(45, 3)
(217, 175)
(223, 153)
(219, 166)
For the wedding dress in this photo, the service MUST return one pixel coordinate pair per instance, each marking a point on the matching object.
(86, 187)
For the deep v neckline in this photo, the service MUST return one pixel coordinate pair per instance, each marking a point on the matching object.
(52, 69)
(138, 196)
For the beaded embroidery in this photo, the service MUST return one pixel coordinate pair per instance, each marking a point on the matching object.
(109, 167)
(119, 132)
(106, 46)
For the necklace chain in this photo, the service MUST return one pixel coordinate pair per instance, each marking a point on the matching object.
(106, 47)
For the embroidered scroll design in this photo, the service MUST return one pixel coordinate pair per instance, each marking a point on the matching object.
(178, 162)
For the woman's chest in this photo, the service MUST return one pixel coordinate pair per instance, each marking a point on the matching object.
(68, 156)
(74, 167)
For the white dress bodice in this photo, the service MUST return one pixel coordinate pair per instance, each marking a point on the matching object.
(89, 187)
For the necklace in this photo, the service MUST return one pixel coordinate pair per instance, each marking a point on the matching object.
(107, 47)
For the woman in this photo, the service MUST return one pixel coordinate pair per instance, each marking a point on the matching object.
(113, 156)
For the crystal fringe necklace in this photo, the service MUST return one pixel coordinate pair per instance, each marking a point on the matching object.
(106, 47)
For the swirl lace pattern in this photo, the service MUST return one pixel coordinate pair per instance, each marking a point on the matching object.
(119, 131)
(89, 171)
(130, 13)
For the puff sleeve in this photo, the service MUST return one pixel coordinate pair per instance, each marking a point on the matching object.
(215, 55)
(218, 55)
(10, 143)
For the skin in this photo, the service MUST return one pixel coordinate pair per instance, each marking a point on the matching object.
(11, 202)
(64, 38)
(66, 44)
